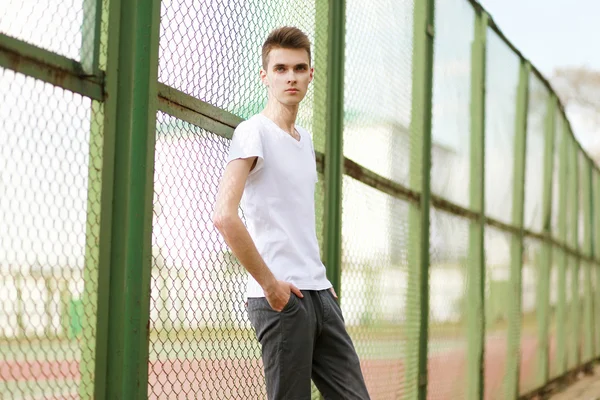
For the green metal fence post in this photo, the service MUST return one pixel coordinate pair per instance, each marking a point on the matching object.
(586, 191)
(561, 314)
(418, 249)
(334, 143)
(574, 329)
(545, 266)
(319, 106)
(131, 88)
(596, 254)
(511, 389)
(476, 268)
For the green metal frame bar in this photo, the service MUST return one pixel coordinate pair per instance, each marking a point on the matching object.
(196, 111)
(511, 390)
(332, 245)
(588, 333)
(476, 268)
(131, 253)
(573, 219)
(545, 265)
(596, 254)
(419, 214)
(561, 312)
(49, 67)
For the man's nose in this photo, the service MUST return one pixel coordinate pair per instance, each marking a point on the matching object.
(292, 76)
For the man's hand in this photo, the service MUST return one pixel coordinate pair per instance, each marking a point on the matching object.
(332, 290)
(279, 294)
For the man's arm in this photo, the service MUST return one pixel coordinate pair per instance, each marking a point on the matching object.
(233, 230)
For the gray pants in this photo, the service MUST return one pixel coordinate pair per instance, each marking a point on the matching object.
(307, 339)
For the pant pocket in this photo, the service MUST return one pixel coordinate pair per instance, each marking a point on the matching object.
(291, 303)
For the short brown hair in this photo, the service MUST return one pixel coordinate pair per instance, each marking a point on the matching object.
(287, 37)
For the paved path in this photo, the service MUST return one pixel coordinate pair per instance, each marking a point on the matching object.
(585, 388)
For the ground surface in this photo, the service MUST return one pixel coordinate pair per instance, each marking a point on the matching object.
(586, 387)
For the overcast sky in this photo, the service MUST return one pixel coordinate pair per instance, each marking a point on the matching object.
(551, 33)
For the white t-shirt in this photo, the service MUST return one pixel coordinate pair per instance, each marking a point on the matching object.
(279, 203)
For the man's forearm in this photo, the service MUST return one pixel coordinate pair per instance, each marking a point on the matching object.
(241, 244)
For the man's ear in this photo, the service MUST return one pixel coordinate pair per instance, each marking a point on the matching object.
(263, 77)
(312, 74)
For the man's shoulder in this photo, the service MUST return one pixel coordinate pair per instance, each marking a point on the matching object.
(253, 122)
(249, 129)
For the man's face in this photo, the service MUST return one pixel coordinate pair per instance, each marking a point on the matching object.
(288, 75)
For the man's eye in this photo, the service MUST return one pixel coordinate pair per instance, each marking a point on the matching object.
(301, 68)
(279, 69)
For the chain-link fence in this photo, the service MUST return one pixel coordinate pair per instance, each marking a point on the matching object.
(468, 261)
(46, 346)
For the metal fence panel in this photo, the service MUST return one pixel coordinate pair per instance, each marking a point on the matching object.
(201, 345)
(497, 278)
(374, 285)
(449, 301)
(53, 25)
(529, 347)
(376, 107)
(553, 352)
(534, 164)
(44, 174)
(212, 49)
(451, 101)
(501, 95)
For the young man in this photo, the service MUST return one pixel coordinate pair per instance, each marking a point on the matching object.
(291, 304)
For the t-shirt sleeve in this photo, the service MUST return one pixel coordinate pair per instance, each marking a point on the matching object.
(246, 143)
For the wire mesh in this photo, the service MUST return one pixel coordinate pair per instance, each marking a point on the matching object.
(497, 314)
(212, 49)
(374, 275)
(47, 340)
(450, 177)
(573, 311)
(586, 300)
(581, 304)
(53, 25)
(447, 352)
(535, 154)
(559, 142)
(572, 193)
(201, 343)
(553, 366)
(581, 217)
(596, 307)
(450, 171)
(501, 83)
(377, 89)
(530, 292)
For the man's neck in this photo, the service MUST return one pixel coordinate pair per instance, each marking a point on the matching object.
(282, 115)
